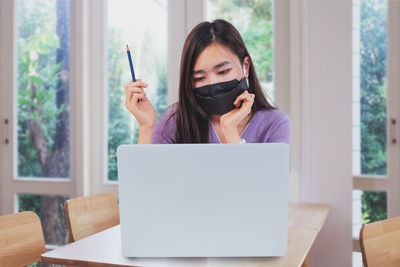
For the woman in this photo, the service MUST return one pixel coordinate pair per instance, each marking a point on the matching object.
(220, 97)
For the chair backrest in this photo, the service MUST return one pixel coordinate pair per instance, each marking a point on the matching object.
(21, 239)
(89, 215)
(380, 243)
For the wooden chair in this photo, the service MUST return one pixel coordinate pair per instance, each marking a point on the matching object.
(21, 239)
(89, 215)
(380, 243)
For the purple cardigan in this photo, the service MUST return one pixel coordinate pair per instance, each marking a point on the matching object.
(266, 126)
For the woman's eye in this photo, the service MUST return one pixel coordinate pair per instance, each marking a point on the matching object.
(198, 79)
(224, 71)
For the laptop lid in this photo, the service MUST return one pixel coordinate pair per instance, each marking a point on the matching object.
(203, 200)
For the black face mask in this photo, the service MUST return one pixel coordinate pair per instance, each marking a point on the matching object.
(218, 98)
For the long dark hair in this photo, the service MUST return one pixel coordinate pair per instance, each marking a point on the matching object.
(192, 122)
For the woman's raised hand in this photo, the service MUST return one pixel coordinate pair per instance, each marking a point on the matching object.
(230, 121)
(139, 105)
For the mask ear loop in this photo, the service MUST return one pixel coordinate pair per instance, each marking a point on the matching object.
(244, 75)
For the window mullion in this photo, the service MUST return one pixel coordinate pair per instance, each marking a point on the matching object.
(356, 245)
(370, 183)
(79, 143)
(7, 104)
(42, 187)
(98, 96)
(393, 109)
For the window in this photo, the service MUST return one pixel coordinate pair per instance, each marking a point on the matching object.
(50, 209)
(62, 112)
(146, 34)
(369, 114)
(43, 107)
(43, 93)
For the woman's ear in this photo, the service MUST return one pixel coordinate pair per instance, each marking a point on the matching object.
(246, 66)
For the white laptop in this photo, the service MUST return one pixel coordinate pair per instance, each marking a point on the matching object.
(203, 200)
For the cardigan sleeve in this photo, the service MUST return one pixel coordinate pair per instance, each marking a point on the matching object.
(165, 129)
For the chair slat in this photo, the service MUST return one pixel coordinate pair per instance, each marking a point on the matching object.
(21, 239)
(89, 215)
(380, 243)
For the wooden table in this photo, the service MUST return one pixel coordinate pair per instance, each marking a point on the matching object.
(104, 248)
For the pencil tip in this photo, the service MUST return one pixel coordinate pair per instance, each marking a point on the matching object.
(127, 47)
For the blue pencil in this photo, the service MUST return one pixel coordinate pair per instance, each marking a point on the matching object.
(130, 63)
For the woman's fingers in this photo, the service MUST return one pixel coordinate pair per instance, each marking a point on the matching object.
(240, 98)
(132, 85)
(137, 97)
(132, 97)
(138, 83)
(133, 88)
(132, 102)
(136, 90)
(138, 104)
(245, 96)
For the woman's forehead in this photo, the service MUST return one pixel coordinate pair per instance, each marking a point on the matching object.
(213, 55)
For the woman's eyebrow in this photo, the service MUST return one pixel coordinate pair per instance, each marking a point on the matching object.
(219, 65)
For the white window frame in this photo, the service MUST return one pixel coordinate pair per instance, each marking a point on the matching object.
(389, 183)
(11, 185)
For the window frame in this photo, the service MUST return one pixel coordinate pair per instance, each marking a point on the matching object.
(389, 183)
(11, 184)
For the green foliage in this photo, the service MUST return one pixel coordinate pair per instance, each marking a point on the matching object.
(373, 87)
(38, 74)
(28, 202)
(373, 103)
(119, 131)
(373, 206)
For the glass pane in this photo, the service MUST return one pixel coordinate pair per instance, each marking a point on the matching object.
(368, 206)
(369, 85)
(51, 216)
(43, 88)
(146, 35)
(254, 20)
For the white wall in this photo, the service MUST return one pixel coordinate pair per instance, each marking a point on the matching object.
(326, 124)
